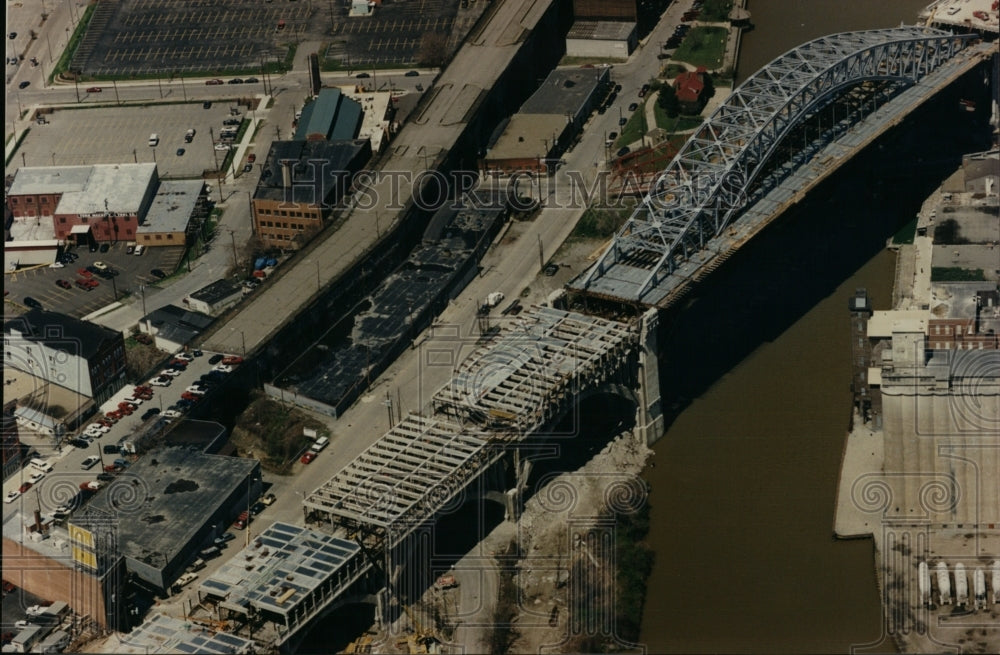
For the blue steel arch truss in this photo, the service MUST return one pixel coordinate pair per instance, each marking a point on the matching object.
(706, 185)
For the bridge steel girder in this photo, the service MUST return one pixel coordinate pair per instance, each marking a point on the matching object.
(706, 183)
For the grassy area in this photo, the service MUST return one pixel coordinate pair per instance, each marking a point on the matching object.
(634, 129)
(676, 124)
(273, 431)
(715, 10)
(634, 561)
(956, 274)
(17, 145)
(81, 28)
(704, 46)
(673, 70)
(906, 233)
(599, 223)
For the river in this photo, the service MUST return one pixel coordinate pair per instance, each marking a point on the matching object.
(744, 480)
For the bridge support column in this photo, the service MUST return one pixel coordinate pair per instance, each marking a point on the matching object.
(381, 607)
(649, 412)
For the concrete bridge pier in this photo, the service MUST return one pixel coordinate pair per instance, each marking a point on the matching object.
(649, 410)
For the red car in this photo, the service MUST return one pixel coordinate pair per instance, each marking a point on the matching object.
(94, 89)
(214, 82)
(193, 397)
(308, 457)
(84, 273)
(24, 487)
(64, 284)
(232, 360)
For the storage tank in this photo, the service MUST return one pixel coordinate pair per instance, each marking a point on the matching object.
(979, 587)
(944, 585)
(924, 583)
(961, 586)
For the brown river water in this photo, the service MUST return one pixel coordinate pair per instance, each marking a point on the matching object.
(744, 481)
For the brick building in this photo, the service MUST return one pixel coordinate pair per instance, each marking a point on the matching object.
(104, 202)
(300, 184)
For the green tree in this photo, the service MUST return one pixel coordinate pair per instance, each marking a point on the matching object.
(668, 101)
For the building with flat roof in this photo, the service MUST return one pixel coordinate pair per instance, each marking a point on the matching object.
(284, 575)
(215, 298)
(79, 355)
(180, 501)
(106, 202)
(602, 39)
(332, 116)
(174, 327)
(301, 183)
(545, 127)
(169, 219)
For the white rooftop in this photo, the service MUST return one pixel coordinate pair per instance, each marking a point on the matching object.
(117, 188)
(884, 323)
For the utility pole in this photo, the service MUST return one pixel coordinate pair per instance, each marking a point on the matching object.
(117, 99)
(235, 260)
(541, 253)
(388, 406)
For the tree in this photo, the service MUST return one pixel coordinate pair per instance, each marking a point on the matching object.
(668, 101)
(433, 49)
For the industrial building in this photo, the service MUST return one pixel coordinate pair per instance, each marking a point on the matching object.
(169, 219)
(173, 327)
(981, 172)
(332, 116)
(83, 357)
(602, 39)
(284, 576)
(103, 202)
(214, 298)
(38, 558)
(330, 375)
(178, 501)
(610, 10)
(300, 183)
(548, 123)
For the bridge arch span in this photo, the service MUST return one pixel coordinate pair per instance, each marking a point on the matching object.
(706, 185)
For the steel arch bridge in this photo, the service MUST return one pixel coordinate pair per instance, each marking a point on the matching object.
(706, 185)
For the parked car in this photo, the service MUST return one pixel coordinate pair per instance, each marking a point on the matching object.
(251, 80)
(411, 74)
(236, 80)
(251, 158)
(215, 359)
(90, 462)
(24, 487)
(224, 538)
(24, 84)
(308, 457)
(247, 167)
(11, 496)
(362, 76)
(232, 360)
(213, 82)
(65, 284)
(180, 152)
(633, 106)
(268, 499)
(93, 89)
(150, 413)
(105, 247)
(31, 302)
(158, 273)
(222, 368)
(257, 508)
(222, 147)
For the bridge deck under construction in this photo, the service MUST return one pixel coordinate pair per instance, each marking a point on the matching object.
(500, 391)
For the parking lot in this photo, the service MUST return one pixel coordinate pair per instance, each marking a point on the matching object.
(40, 283)
(149, 36)
(391, 35)
(114, 135)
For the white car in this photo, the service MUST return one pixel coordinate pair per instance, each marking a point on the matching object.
(57, 265)
(133, 401)
(158, 383)
(195, 390)
(98, 427)
(222, 368)
(171, 413)
(222, 146)
(186, 357)
(170, 372)
(12, 495)
(64, 509)
(36, 610)
(35, 477)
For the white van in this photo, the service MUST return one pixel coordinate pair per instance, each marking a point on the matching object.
(319, 445)
(41, 465)
(138, 250)
(154, 139)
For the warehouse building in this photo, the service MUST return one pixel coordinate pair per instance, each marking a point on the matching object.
(181, 501)
(103, 202)
(601, 39)
(332, 116)
(174, 214)
(300, 184)
(173, 327)
(548, 123)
